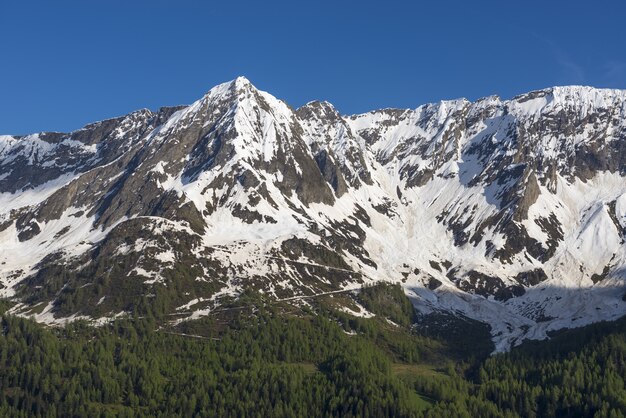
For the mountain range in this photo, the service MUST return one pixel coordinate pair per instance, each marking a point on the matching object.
(509, 212)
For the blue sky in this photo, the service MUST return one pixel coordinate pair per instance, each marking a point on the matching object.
(67, 63)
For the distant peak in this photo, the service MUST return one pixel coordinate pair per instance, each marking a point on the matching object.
(574, 91)
(321, 105)
(141, 112)
(241, 81)
(318, 109)
(582, 98)
(489, 99)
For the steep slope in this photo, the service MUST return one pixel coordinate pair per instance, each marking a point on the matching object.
(510, 212)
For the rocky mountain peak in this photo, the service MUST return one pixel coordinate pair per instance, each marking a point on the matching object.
(512, 212)
(318, 109)
(580, 100)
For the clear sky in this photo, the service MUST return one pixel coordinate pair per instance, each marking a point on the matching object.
(67, 63)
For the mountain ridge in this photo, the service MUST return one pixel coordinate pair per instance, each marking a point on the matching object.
(490, 209)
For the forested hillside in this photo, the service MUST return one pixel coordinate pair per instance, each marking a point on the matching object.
(259, 360)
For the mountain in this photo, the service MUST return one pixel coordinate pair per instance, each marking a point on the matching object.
(509, 212)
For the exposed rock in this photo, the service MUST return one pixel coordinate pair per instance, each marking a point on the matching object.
(155, 210)
(531, 277)
(485, 285)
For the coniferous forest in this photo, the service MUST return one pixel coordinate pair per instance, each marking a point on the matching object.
(265, 361)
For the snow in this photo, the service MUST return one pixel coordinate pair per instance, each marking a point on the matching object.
(166, 257)
(46, 316)
(406, 245)
(620, 209)
(19, 259)
(34, 196)
(37, 151)
(531, 107)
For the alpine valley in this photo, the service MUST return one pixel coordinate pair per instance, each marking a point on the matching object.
(507, 212)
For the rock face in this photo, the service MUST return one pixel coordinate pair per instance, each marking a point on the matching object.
(511, 212)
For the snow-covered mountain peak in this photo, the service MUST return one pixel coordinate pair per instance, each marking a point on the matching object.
(237, 84)
(242, 82)
(507, 211)
(445, 108)
(237, 89)
(321, 108)
(580, 99)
